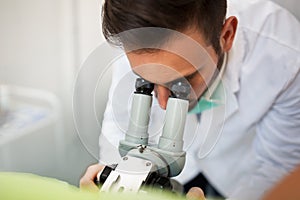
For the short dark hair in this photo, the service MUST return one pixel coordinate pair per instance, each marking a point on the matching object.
(207, 16)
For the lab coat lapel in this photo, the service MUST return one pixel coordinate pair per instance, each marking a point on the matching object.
(232, 74)
(212, 121)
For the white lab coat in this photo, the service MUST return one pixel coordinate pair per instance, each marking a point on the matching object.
(260, 121)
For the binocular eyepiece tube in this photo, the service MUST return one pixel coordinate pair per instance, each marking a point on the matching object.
(140, 113)
(168, 156)
(177, 108)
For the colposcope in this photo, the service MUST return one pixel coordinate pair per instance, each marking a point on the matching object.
(147, 165)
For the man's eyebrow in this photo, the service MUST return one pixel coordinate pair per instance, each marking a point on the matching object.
(186, 77)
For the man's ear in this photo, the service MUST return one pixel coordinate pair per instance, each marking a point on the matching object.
(228, 33)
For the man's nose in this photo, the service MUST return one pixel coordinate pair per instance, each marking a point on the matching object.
(162, 93)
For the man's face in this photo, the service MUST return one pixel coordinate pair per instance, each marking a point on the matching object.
(165, 67)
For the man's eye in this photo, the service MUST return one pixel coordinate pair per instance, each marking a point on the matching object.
(189, 78)
(192, 76)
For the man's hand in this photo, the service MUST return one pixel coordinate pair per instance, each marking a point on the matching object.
(87, 181)
(195, 193)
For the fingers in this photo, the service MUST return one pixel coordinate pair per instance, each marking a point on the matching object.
(195, 193)
(87, 181)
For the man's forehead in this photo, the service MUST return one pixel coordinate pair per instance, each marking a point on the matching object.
(180, 56)
(189, 45)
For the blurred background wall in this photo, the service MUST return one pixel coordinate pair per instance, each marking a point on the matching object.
(42, 46)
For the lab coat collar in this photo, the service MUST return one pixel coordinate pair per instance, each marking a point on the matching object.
(235, 60)
(235, 56)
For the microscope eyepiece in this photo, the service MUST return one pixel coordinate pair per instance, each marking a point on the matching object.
(143, 87)
(180, 90)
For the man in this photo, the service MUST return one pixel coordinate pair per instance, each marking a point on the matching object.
(244, 144)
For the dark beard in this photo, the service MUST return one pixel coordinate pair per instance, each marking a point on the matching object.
(216, 73)
(219, 66)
